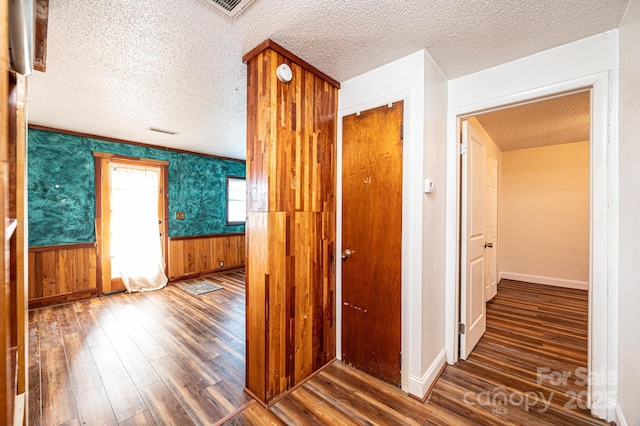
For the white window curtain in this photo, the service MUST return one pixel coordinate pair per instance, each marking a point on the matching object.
(135, 240)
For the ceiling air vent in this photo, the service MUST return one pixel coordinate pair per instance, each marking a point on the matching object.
(231, 8)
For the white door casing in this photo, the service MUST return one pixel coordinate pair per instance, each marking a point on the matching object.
(472, 262)
(604, 220)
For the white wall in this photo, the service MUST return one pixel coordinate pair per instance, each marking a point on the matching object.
(629, 252)
(433, 237)
(416, 80)
(584, 57)
(591, 62)
(544, 221)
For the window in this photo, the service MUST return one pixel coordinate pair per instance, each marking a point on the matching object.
(236, 200)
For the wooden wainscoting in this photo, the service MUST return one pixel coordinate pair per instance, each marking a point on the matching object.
(62, 273)
(193, 256)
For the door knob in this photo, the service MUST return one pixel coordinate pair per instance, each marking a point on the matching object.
(490, 245)
(346, 253)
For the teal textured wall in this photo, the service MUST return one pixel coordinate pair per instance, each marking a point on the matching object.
(62, 189)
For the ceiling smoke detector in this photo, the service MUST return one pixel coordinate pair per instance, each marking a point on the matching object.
(231, 8)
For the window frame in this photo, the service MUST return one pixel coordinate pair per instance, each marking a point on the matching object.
(229, 223)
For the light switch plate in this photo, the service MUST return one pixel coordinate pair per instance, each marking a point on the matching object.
(428, 186)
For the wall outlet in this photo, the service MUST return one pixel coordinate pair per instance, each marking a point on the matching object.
(179, 215)
(221, 263)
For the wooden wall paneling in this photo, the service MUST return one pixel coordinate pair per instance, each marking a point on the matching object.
(324, 333)
(206, 253)
(294, 269)
(238, 249)
(296, 137)
(187, 259)
(279, 352)
(49, 274)
(221, 252)
(199, 261)
(35, 274)
(193, 256)
(61, 275)
(262, 99)
(189, 254)
(7, 351)
(325, 113)
(257, 308)
(66, 266)
(305, 266)
(175, 259)
(291, 134)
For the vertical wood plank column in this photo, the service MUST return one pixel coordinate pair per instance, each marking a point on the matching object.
(290, 230)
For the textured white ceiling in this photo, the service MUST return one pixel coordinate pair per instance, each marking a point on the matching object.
(550, 122)
(116, 68)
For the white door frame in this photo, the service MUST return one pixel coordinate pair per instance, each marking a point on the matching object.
(602, 350)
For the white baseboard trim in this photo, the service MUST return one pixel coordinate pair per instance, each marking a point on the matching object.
(418, 386)
(537, 279)
(619, 418)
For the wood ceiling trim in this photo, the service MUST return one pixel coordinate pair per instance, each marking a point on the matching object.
(270, 44)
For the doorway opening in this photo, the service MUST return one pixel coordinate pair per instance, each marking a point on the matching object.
(538, 153)
(545, 166)
(131, 225)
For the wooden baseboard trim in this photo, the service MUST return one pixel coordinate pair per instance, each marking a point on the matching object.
(284, 394)
(203, 274)
(234, 413)
(255, 398)
(61, 299)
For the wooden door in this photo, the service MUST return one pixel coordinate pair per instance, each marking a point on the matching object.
(491, 227)
(372, 241)
(108, 283)
(472, 262)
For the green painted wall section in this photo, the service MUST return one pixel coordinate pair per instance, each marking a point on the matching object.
(62, 188)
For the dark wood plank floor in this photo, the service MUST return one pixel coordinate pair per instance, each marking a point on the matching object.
(168, 357)
(527, 369)
(161, 357)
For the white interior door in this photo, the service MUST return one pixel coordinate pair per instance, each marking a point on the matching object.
(472, 270)
(491, 227)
